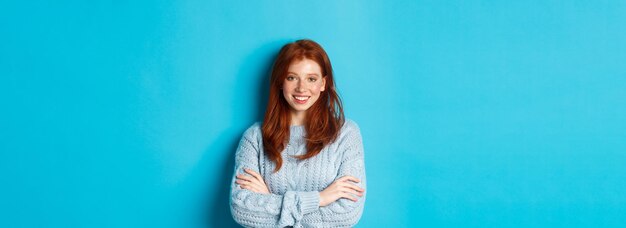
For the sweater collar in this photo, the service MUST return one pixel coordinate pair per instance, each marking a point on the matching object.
(296, 132)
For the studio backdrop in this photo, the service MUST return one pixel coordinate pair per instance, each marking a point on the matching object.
(473, 113)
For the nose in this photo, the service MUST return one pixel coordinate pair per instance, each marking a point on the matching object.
(300, 86)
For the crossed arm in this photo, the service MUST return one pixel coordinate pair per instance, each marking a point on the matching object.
(341, 188)
(338, 205)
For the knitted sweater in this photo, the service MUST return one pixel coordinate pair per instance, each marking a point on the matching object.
(295, 188)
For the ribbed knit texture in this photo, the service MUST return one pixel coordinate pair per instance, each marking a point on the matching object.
(296, 186)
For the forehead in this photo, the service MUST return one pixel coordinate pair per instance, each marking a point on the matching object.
(305, 66)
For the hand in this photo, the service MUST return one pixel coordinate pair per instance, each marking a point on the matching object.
(341, 188)
(253, 183)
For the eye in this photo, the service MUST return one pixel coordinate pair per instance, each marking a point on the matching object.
(312, 79)
(290, 78)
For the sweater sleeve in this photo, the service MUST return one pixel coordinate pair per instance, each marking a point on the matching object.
(252, 209)
(344, 212)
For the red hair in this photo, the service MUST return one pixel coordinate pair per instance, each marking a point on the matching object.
(324, 118)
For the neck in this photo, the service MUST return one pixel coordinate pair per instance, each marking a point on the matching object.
(297, 117)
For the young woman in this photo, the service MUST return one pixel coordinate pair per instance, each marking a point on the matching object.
(303, 166)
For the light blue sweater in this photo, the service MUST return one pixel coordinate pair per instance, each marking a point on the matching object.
(296, 186)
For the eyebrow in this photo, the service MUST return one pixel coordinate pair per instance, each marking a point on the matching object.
(315, 74)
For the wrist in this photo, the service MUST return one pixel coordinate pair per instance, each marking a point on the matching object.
(309, 201)
(322, 200)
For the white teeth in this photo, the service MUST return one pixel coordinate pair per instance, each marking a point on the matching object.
(301, 98)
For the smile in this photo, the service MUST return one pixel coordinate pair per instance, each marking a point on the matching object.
(301, 100)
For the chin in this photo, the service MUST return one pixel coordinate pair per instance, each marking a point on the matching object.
(302, 109)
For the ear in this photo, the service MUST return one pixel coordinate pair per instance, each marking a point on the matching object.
(323, 84)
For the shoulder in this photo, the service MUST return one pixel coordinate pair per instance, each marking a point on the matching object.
(350, 127)
(350, 132)
(254, 131)
(251, 140)
(350, 139)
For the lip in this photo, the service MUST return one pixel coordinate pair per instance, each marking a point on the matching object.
(299, 101)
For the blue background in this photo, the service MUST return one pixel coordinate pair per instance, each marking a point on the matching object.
(473, 113)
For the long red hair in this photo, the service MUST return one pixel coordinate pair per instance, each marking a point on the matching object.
(324, 118)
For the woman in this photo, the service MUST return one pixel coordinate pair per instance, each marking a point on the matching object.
(303, 166)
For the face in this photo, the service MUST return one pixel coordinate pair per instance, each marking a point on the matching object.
(303, 85)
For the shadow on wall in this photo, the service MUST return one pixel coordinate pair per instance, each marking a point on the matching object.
(256, 66)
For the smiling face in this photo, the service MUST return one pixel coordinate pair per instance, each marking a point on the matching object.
(303, 85)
